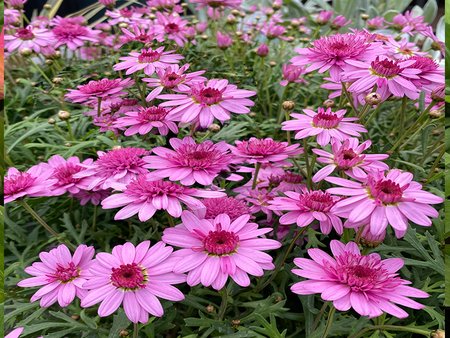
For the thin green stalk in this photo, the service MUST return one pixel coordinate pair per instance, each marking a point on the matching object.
(288, 133)
(319, 316)
(361, 333)
(39, 69)
(135, 330)
(280, 106)
(170, 219)
(70, 132)
(329, 321)
(255, 178)
(349, 98)
(305, 151)
(436, 162)
(141, 90)
(94, 218)
(223, 305)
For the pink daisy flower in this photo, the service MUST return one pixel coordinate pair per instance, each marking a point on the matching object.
(348, 156)
(148, 60)
(292, 74)
(101, 89)
(265, 151)
(173, 26)
(113, 169)
(145, 120)
(217, 3)
(324, 124)
(139, 34)
(28, 38)
(213, 250)
(145, 195)
(223, 40)
(384, 198)
(93, 197)
(206, 101)
(134, 277)
(16, 333)
(127, 15)
(60, 275)
(231, 206)
(259, 200)
(63, 171)
(431, 74)
(308, 206)
(375, 23)
(73, 35)
(367, 284)
(34, 182)
(189, 162)
(11, 17)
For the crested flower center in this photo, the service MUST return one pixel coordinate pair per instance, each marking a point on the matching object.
(143, 189)
(326, 119)
(385, 68)
(69, 31)
(261, 147)
(126, 13)
(201, 156)
(129, 277)
(151, 114)
(17, 183)
(346, 159)
(66, 274)
(225, 205)
(149, 56)
(316, 201)
(120, 160)
(207, 96)
(65, 173)
(220, 242)
(171, 80)
(101, 86)
(339, 47)
(172, 28)
(25, 34)
(386, 191)
(292, 178)
(423, 63)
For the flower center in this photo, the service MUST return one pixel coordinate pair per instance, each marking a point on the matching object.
(208, 96)
(151, 114)
(70, 31)
(385, 68)
(326, 120)
(143, 189)
(172, 28)
(118, 160)
(126, 13)
(220, 242)
(66, 274)
(386, 192)
(316, 201)
(171, 80)
(129, 277)
(225, 205)
(18, 183)
(65, 173)
(149, 56)
(347, 158)
(25, 34)
(423, 63)
(94, 87)
(258, 148)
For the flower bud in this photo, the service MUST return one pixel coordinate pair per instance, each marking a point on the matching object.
(436, 46)
(365, 16)
(438, 93)
(214, 128)
(210, 308)
(75, 317)
(63, 115)
(57, 80)
(276, 6)
(124, 333)
(235, 12)
(47, 7)
(26, 52)
(272, 63)
(373, 99)
(236, 322)
(329, 103)
(369, 240)
(288, 105)
(123, 25)
(437, 334)
(48, 62)
(68, 144)
(435, 114)
(51, 121)
(152, 16)
(116, 147)
(252, 114)
(204, 37)
(262, 50)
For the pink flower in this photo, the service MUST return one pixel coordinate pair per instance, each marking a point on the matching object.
(272, 30)
(347, 156)
(324, 124)
(102, 89)
(144, 196)
(134, 277)
(148, 60)
(431, 74)
(173, 26)
(223, 40)
(94, 197)
(141, 35)
(265, 151)
(11, 17)
(145, 120)
(308, 206)
(18, 4)
(339, 22)
(217, 3)
(259, 200)
(60, 275)
(28, 38)
(113, 169)
(377, 22)
(201, 27)
(231, 206)
(206, 101)
(213, 250)
(367, 284)
(127, 15)
(34, 182)
(73, 35)
(108, 3)
(16, 333)
(63, 171)
(323, 17)
(407, 23)
(333, 53)
(291, 74)
(263, 50)
(189, 162)
(169, 5)
(384, 198)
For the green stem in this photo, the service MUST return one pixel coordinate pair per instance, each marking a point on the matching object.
(319, 316)
(39, 69)
(288, 133)
(425, 333)
(349, 98)
(99, 106)
(135, 330)
(141, 90)
(305, 151)
(280, 106)
(255, 178)
(69, 130)
(224, 303)
(329, 321)
(170, 219)
(436, 162)
(94, 218)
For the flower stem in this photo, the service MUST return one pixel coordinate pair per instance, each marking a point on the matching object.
(288, 133)
(94, 219)
(329, 321)
(223, 305)
(280, 105)
(255, 178)
(425, 333)
(99, 106)
(170, 219)
(135, 330)
(39, 69)
(308, 172)
(319, 316)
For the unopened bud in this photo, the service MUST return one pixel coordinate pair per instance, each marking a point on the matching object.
(236, 322)
(373, 99)
(26, 52)
(242, 14)
(57, 54)
(124, 333)
(116, 147)
(239, 33)
(252, 114)
(276, 6)
(48, 7)
(365, 16)
(290, 38)
(48, 62)
(204, 36)
(437, 334)
(329, 103)
(278, 299)
(435, 114)
(123, 25)
(64, 115)
(152, 16)
(235, 12)
(107, 73)
(438, 94)
(210, 308)
(68, 144)
(51, 121)
(214, 128)
(41, 157)
(75, 317)
(305, 39)
(288, 105)
(436, 46)
(57, 80)
(272, 63)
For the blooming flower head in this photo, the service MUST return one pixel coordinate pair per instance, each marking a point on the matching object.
(108, 3)
(218, 3)
(208, 100)
(127, 15)
(292, 73)
(113, 169)
(145, 120)
(223, 40)
(59, 274)
(402, 48)
(11, 17)
(30, 37)
(173, 27)
(339, 22)
(324, 124)
(145, 195)
(431, 75)
(137, 33)
(101, 89)
(148, 60)
(18, 4)
(213, 250)
(384, 198)
(323, 17)
(367, 284)
(189, 162)
(348, 156)
(73, 35)
(407, 23)
(134, 277)
(32, 183)
(377, 22)
(165, 5)
(231, 206)
(89, 196)
(265, 150)
(305, 207)
(258, 200)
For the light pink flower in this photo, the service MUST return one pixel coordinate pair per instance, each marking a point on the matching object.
(367, 284)
(305, 207)
(292, 74)
(339, 22)
(206, 101)
(377, 22)
(324, 124)
(137, 33)
(231, 206)
(259, 200)
(18, 4)
(323, 17)
(59, 274)
(11, 17)
(173, 27)
(384, 198)
(148, 60)
(168, 5)
(73, 35)
(101, 89)
(134, 277)
(127, 15)
(108, 3)
(217, 3)
(431, 74)
(28, 38)
(189, 162)
(348, 156)
(213, 250)
(407, 23)
(94, 197)
(272, 30)
(16, 333)
(63, 171)
(223, 40)
(35, 182)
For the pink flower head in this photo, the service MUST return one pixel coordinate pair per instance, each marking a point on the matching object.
(201, 27)
(431, 74)
(335, 51)
(265, 151)
(34, 182)
(305, 207)
(208, 100)
(173, 27)
(148, 60)
(11, 17)
(402, 48)
(134, 277)
(190, 162)
(339, 22)
(223, 40)
(28, 38)
(384, 198)
(108, 3)
(139, 34)
(73, 35)
(348, 156)
(101, 89)
(324, 17)
(259, 200)
(213, 250)
(59, 274)
(128, 15)
(263, 50)
(272, 30)
(292, 73)
(391, 77)
(217, 3)
(407, 23)
(173, 78)
(18, 4)
(327, 125)
(367, 284)
(93, 197)
(167, 5)
(145, 195)
(113, 169)
(231, 206)
(377, 22)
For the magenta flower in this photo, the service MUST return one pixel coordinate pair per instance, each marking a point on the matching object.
(305, 207)
(73, 35)
(213, 250)
(63, 171)
(15, 333)
(377, 22)
(259, 200)
(30, 37)
(262, 50)
(367, 284)
(137, 33)
(230, 206)
(408, 23)
(206, 101)
(223, 40)
(134, 277)
(323, 17)
(148, 60)
(93, 197)
(265, 151)
(113, 169)
(189, 162)
(431, 74)
(384, 198)
(348, 156)
(145, 195)
(145, 120)
(127, 15)
(101, 89)
(327, 125)
(173, 26)
(34, 182)
(60, 275)
(292, 74)
(217, 3)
